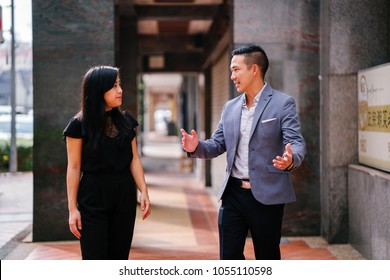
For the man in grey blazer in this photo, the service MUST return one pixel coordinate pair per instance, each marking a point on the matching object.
(261, 134)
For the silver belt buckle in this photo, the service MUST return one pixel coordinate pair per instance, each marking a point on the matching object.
(245, 184)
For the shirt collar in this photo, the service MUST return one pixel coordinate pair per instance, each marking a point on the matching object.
(257, 97)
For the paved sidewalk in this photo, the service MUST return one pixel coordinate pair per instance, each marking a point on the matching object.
(16, 202)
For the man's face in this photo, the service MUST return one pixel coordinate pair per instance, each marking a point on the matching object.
(242, 76)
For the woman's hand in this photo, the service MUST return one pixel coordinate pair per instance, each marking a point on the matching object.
(75, 223)
(146, 207)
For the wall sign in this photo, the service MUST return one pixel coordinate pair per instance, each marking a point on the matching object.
(374, 116)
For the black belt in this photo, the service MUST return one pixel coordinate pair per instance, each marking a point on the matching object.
(243, 183)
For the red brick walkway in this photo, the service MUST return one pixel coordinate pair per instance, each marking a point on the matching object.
(183, 225)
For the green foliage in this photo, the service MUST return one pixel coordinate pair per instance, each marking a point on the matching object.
(24, 151)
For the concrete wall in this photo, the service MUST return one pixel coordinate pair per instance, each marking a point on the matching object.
(68, 37)
(126, 58)
(289, 33)
(354, 36)
(369, 215)
(219, 96)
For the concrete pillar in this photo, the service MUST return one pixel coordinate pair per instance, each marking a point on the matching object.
(354, 36)
(68, 37)
(126, 60)
(289, 33)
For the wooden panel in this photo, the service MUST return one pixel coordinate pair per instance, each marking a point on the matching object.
(176, 62)
(163, 44)
(176, 27)
(184, 12)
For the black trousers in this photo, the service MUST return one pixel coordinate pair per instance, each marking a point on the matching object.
(107, 204)
(241, 212)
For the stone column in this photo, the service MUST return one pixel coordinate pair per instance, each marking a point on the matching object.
(353, 36)
(126, 60)
(68, 37)
(289, 33)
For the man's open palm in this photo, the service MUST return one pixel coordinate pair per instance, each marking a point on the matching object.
(189, 142)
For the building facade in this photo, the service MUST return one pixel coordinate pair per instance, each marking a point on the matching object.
(315, 49)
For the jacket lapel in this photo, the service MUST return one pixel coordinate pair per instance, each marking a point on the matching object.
(237, 110)
(265, 97)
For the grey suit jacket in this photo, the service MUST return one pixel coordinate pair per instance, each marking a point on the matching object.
(275, 124)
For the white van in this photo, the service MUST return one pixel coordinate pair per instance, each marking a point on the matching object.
(24, 126)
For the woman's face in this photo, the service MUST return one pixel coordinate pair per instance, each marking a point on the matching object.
(113, 97)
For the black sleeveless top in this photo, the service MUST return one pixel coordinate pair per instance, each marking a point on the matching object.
(113, 155)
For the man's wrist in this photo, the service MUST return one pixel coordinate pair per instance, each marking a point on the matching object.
(290, 167)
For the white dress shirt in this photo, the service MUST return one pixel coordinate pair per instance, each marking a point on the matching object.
(240, 167)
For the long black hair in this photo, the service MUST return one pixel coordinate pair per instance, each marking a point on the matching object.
(96, 82)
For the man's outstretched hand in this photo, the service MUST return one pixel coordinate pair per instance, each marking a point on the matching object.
(189, 142)
(282, 162)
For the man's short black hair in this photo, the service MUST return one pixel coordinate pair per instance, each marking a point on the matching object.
(253, 55)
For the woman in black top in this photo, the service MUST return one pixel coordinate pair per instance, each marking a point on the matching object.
(104, 169)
